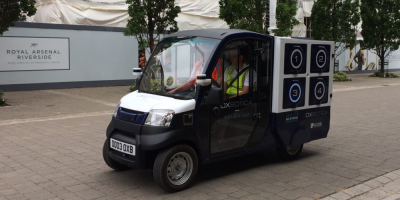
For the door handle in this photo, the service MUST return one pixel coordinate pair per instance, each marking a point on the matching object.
(256, 116)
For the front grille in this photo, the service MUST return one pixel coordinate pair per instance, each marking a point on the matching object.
(131, 116)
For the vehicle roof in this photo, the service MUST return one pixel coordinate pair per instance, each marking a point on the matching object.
(209, 33)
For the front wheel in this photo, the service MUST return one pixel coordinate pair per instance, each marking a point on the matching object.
(289, 153)
(175, 168)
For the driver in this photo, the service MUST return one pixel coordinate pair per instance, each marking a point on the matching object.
(236, 76)
(198, 69)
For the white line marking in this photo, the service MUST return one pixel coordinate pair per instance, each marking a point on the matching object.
(80, 97)
(94, 114)
(364, 87)
(43, 119)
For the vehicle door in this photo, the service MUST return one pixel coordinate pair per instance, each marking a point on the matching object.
(241, 120)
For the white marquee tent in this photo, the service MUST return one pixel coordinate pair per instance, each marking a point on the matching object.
(195, 14)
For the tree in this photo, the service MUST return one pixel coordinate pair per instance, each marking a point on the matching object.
(244, 14)
(252, 14)
(285, 12)
(148, 16)
(336, 20)
(13, 10)
(381, 27)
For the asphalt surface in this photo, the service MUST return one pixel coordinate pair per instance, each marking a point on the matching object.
(51, 143)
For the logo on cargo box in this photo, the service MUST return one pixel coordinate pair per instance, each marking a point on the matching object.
(316, 114)
(316, 125)
(293, 117)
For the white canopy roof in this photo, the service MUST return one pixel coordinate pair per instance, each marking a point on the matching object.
(198, 14)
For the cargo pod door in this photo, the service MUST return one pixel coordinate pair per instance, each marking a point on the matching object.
(303, 71)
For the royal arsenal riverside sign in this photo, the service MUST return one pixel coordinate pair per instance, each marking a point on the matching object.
(29, 53)
(35, 54)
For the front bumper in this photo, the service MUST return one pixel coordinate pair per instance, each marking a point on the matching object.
(126, 159)
(148, 141)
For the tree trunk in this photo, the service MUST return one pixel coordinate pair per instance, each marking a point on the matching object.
(151, 41)
(382, 57)
(151, 27)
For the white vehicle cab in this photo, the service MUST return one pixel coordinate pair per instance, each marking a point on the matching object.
(210, 95)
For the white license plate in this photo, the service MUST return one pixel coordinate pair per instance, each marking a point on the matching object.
(122, 147)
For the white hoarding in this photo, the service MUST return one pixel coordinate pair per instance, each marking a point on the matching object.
(272, 14)
(33, 53)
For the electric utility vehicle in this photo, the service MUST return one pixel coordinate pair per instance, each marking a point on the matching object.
(211, 95)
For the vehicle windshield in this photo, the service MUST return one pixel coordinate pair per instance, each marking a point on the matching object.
(174, 64)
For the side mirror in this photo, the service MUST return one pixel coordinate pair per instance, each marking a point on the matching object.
(201, 80)
(214, 96)
(137, 72)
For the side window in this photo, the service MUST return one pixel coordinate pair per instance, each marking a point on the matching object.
(240, 77)
(218, 71)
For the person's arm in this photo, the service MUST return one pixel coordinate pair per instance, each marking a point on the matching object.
(245, 91)
(184, 87)
(219, 81)
(225, 87)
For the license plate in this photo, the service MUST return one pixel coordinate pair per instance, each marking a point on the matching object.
(122, 147)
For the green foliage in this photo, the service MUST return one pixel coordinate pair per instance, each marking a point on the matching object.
(251, 15)
(143, 44)
(170, 81)
(285, 12)
(383, 75)
(156, 85)
(244, 14)
(13, 10)
(132, 88)
(336, 20)
(2, 101)
(381, 26)
(148, 16)
(340, 76)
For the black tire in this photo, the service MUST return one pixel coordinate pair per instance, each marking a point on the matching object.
(109, 161)
(289, 153)
(184, 160)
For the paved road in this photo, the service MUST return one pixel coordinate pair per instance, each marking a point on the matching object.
(51, 142)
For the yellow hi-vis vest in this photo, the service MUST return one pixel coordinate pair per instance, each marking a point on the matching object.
(234, 88)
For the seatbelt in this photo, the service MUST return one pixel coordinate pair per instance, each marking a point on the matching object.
(237, 76)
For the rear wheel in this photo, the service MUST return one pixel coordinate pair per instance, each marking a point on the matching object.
(289, 153)
(175, 168)
(109, 161)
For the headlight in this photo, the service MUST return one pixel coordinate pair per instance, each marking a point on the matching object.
(160, 117)
(116, 109)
